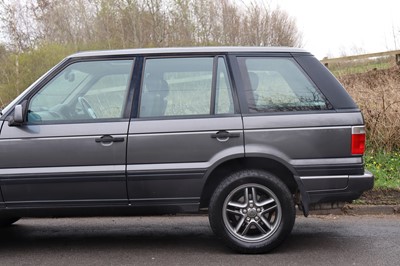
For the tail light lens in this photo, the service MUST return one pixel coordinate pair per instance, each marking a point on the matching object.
(358, 140)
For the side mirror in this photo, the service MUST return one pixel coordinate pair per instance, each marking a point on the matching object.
(19, 116)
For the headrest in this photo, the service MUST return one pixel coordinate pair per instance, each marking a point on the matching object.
(156, 85)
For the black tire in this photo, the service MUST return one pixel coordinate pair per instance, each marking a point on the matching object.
(247, 225)
(7, 221)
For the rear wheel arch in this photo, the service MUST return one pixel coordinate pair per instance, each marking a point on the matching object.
(224, 169)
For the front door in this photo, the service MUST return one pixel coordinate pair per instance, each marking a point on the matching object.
(72, 149)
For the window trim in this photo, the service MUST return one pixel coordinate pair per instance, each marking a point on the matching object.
(230, 83)
(213, 85)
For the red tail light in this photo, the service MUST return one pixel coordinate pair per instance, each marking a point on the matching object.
(357, 140)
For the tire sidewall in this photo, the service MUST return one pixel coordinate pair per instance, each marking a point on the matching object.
(257, 177)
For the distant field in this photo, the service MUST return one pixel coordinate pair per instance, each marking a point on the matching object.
(340, 69)
(362, 63)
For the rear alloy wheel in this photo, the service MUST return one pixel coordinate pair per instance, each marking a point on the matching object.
(252, 211)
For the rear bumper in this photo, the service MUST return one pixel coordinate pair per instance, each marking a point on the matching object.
(321, 189)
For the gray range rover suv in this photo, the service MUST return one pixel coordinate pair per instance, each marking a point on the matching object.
(243, 133)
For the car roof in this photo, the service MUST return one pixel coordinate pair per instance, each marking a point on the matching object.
(189, 50)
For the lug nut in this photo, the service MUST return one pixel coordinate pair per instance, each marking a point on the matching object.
(258, 209)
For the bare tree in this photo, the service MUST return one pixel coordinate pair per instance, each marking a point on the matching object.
(17, 24)
(231, 23)
(65, 22)
(41, 32)
(181, 26)
(144, 23)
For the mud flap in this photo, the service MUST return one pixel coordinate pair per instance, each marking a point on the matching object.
(304, 197)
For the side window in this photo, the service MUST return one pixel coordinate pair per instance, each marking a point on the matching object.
(277, 85)
(107, 95)
(176, 87)
(83, 91)
(184, 86)
(223, 95)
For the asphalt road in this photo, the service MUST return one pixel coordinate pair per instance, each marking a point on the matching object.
(317, 240)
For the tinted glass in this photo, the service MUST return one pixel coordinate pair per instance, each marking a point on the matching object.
(83, 90)
(176, 87)
(183, 86)
(223, 95)
(278, 84)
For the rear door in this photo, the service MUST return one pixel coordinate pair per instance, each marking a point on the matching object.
(72, 150)
(186, 123)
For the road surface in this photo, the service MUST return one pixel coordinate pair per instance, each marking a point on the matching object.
(188, 240)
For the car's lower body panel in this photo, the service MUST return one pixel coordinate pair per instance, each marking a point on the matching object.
(336, 188)
(106, 209)
(73, 186)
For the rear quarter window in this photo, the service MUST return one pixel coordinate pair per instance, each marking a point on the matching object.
(279, 85)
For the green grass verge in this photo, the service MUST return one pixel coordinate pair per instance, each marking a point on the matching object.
(385, 166)
(348, 69)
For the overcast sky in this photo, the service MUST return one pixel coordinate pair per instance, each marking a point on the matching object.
(345, 27)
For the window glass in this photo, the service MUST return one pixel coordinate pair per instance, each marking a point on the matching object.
(277, 84)
(176, 87)
(223, 95)
(83, 90)
(107, 95)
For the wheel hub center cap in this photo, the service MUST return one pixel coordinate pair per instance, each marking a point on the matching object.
(252, 213)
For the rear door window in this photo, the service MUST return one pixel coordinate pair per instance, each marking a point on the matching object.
(186, 86)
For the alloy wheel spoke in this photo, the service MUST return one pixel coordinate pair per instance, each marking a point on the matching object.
(269, 209)
(265, 202)
(246, 196)
(262, 230)
(236, 205)
(266, 222)
(235, 212)
(239, 224)
(254, 195)
(246, 229)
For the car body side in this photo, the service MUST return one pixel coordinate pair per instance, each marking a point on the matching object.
(309, 151)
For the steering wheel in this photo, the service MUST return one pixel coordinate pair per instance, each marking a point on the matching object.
(87, 108)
